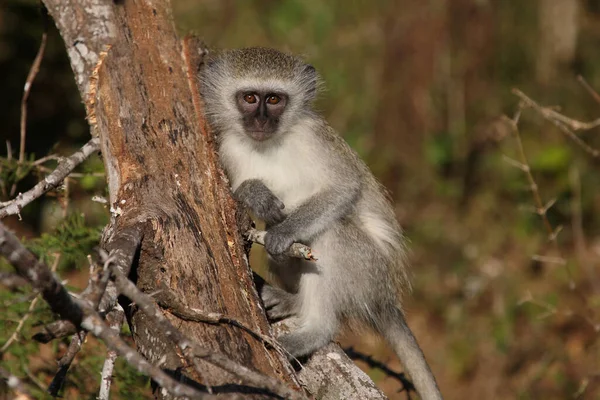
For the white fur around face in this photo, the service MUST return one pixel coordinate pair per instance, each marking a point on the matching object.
(293, 170)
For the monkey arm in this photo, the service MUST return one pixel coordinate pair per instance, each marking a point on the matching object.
(255, 195)
(314, 216)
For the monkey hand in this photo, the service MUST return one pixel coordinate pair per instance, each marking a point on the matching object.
(278, 240)
(264, 204)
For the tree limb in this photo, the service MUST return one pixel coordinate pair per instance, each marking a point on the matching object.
(81, 313)
(64, 168)
(111, 356)
(55, 330)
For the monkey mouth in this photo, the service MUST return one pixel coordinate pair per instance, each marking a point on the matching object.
(260, 135)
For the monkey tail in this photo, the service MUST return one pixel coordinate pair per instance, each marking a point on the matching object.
(401, 338)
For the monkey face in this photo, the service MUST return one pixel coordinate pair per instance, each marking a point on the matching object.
(261, 112)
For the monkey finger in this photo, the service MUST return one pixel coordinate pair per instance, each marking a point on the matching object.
(279, 203)
(277, 243)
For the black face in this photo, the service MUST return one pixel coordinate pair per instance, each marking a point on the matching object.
(261, 112)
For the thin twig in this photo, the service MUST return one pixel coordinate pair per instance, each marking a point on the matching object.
(36, 381)
(563, 123)
(17, 331)
(537, 198)
(63, 169)
(41, 168)
(111, 357)
(33, 71)
(407, 385)
(589, 88)
(167, 300)
(297, 250)
(542, 210)
(65, 363)
(51, 157)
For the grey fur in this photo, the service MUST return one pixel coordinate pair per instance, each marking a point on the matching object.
(257, 197)
(332, 204)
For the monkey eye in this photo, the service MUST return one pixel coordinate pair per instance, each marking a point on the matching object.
(250, 98)
(273, 99)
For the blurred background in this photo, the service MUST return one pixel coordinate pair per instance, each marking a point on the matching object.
(422, 89)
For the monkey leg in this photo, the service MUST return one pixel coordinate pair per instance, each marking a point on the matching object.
(318, 320)
(309, 338)
(279, 303)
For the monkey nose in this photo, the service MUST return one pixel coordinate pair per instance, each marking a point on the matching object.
(261, 123)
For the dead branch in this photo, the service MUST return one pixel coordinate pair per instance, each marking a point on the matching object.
(192, 350)
(542, 210)
(55, 330)
(565, 124)
(93, 323)
(297, 250)
(407, 385)
(64, 168)
(111, 356)
(589, 88)
(33, 71)
(81, 313)
(65, 363)
(169, 301)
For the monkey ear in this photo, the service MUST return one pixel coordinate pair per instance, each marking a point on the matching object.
(311, 78)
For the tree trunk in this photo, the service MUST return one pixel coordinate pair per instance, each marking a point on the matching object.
(558, 28)
(413, 43)
(138, 81)
(162, 174)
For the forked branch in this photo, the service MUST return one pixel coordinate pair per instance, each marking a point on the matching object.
(64, 168)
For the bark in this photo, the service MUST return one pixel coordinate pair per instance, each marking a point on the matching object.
(138, 81)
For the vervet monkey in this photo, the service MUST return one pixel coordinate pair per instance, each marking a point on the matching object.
(291, 169)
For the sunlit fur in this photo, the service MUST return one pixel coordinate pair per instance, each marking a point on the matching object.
(236, 70)
(332, 203)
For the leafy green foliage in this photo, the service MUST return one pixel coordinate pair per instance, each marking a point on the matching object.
(72, 238)
(11, 172)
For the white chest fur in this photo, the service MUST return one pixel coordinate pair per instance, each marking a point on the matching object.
(293, 171)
